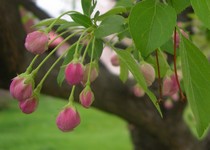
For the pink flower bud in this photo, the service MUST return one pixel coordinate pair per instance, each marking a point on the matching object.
(20, 88)
(74, 73)
(29, 105)
(68, 119)
(115, 61)
(138, 91)
(93, 73)
(86, 97)
(170, 86)
(148, 72)
(36, 42)
(168, 104)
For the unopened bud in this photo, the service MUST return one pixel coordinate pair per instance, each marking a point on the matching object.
(21, 88)
(86, 97)
(29, 105)
(148, 72)
(37, 42)
(68, 119)
(170, 86)
(138, 91)
(74, 73)
(93, 73)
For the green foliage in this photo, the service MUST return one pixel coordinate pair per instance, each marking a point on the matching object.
(81, 19)
(148, 22)
(179, 5)
(123, 71)
(202, 10)
(98, 49)
(196, 73)
(110, 25)
(133, 67)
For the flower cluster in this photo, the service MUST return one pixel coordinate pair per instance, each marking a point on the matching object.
(24, 89)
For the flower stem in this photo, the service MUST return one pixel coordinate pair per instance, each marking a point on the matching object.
(39, 86)
(29, 69)
(91, 61)
(78, 42)
(70, 36)
(86, 49)
(175, 67)
(71, 97)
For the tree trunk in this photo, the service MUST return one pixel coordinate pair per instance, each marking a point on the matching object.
(148, 130)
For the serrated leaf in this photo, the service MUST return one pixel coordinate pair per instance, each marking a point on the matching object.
(110, 25)
(196, 77)
(179, 5)
(68, 58)
(47, 22)
(151, 24)
(202, 10)
(134, 69)
(81, 19)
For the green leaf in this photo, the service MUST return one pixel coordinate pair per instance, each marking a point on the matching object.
(47, 22)
(133, 67)
(98, 49)
(110, 25)
(168, 47)
(113, 11)
(202, 10)
(86, 7)
(196, 77)
(123, 72)
(66, 26)
(68, 58)
(179, 5)
(81, 19)
(151, 24)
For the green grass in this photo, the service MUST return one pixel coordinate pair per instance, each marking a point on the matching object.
(38, 131)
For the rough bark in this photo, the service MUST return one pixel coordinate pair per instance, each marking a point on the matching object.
(148, 130)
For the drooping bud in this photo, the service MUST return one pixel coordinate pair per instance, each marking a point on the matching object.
(86, 97)
(21, 88)
(68, 119)
(93, 73)
(37, 42)
(74, 73)
(29, 105)
(149, 73)
(138, 91)
(170, 86)
(115, 61)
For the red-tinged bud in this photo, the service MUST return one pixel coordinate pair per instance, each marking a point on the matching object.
(86, 97)
(170, 86)
(29, 105)
(68, 119)
(115, 61)
(37, 42)
(138, 91)
(148, 72)
(21, 88)
(74, 73)
(93, 73)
